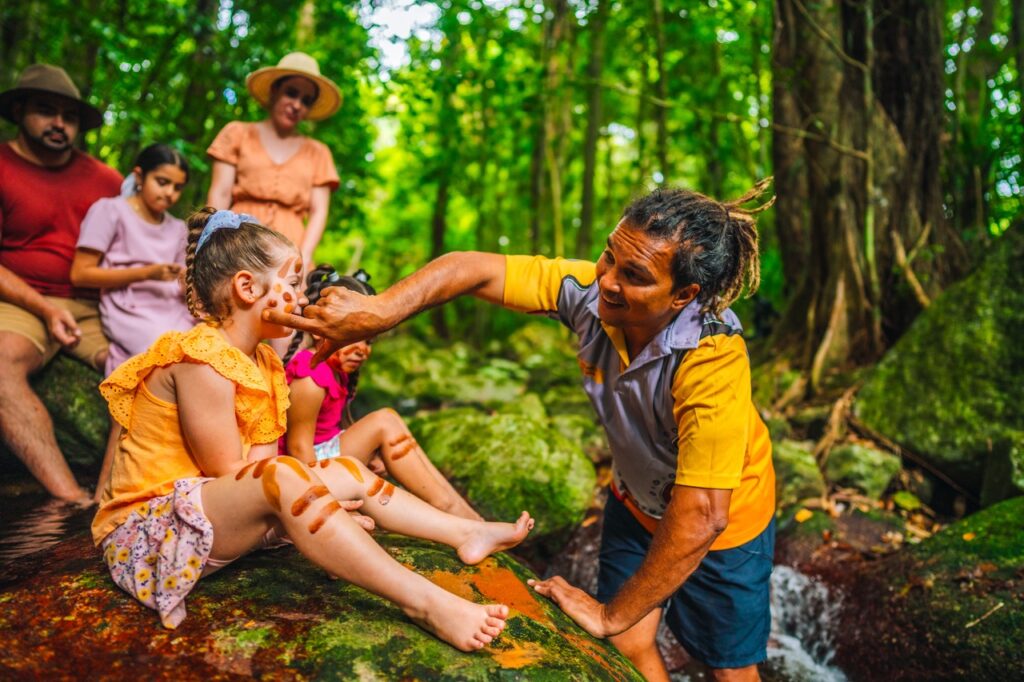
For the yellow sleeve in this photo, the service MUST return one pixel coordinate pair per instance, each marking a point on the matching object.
(711, 405)
(532, 283)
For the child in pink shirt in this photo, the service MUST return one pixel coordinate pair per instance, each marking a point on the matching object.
(381, 439)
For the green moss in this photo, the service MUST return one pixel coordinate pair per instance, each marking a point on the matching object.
(857, 466)
(797, 476)
(950, 389)
(568, 400)
(527, 405)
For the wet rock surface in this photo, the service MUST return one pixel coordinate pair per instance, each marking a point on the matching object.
(273, 615)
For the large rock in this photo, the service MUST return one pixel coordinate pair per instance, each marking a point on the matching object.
(546, 349)
(274, 615)
(506, 463)
(858, 466)
(70, 392)
(950, 390)
(948, 608)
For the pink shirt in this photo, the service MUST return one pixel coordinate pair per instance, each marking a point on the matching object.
(134, 316)
(328, 422)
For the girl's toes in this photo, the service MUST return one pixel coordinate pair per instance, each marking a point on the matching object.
(496, 623)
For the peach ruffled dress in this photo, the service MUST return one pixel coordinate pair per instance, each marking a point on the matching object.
(277, 194)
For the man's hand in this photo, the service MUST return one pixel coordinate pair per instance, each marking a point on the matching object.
(340, 317)
(164, 272)
(588, 613)
(62, 326)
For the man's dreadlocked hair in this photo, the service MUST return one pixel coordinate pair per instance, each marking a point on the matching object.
(317, 280)
(717, 244)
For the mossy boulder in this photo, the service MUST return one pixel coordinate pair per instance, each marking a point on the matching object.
(70, 391)
(273, 615)
(568, 400)
(797, 476)
(950, 389)
(947, 608)
(547, 350)
(527, 405)
(506, 463)
(858, 466)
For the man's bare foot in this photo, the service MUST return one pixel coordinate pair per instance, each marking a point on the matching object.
(490, 537)
(461, 623)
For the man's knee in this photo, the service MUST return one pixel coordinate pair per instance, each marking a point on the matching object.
(19, 357)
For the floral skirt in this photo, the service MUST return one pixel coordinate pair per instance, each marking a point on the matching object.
(159, 552)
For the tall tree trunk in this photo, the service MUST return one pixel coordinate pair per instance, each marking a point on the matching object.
(557, 116)
(661, 88)
(595, 66)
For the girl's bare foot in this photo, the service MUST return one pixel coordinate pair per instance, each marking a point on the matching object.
(463, 624)
(490, 537)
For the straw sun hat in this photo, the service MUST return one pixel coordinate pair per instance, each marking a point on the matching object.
(296, 64)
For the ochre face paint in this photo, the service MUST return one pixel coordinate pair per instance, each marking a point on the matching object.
(312, 494)
(288, 307)
(243, 471)
(277, 288)
(288, 298)
(295, 466)
(298, 267)
(272, 303)
(385, 496)
(287, 268)
(271, 490)
(352, 468)
(322, 517)
(375, 488)
(260, 466)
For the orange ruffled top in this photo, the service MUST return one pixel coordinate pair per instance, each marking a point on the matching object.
(153, 454)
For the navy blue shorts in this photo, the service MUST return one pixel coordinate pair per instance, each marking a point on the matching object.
(722, 613)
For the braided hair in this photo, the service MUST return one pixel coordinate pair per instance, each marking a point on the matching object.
(716, 242)
(226, 252)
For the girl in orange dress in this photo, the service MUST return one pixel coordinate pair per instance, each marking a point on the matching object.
(196, 482)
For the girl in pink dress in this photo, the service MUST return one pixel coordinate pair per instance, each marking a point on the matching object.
(381, 439)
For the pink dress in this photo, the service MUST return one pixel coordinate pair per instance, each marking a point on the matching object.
(328, 422)
(134, 316)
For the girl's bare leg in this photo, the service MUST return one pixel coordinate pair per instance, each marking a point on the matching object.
(395, 509)
(404, 459)
(282, 493)
(113, 441)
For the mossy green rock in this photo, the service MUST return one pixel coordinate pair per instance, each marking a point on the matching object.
(797, 476)
(273, 615)
(547, 350)
(406, 374)
(857, 466)
(527, 405)
(950, 390)
(70, 392)
(506, 463)
(948, 608)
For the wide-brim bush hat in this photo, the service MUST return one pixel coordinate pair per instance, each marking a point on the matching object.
(296, 64)
(45, 78)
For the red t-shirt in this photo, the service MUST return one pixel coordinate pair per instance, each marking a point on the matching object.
(40, 213)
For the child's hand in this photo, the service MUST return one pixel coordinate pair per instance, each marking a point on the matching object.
(376, 465)
(350, 506)
(164, 272)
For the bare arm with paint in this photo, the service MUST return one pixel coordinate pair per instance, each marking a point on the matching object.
(306, 399)
(692, 521)
(206, 410)
(342, 316)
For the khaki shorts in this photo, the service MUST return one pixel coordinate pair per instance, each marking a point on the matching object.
(86, 313)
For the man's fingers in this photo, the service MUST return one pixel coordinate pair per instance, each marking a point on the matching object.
(324, 350)
(291, 320)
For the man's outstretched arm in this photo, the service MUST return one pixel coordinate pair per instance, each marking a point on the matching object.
(342, 316)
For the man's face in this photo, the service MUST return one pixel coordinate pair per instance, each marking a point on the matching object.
(634, 279)
(50, 121)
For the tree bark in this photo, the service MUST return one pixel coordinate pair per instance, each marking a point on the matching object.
(595, 66)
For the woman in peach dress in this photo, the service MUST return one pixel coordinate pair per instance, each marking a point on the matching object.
(270, 171)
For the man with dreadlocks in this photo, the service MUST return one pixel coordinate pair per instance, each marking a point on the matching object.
(688, 528)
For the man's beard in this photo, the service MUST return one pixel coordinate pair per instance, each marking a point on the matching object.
(42, 144)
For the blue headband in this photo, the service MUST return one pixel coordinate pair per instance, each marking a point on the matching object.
(222, 220)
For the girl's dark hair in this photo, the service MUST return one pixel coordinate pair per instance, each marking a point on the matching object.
(226, 251)
(156, 155)
(716, 242)
(276, 85)
(321, 277)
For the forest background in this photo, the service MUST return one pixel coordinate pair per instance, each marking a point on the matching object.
(894, 130)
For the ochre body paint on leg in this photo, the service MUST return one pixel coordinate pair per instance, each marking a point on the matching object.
(312, 494)
(322, 517)
(295, 466)
(351, 466)
(261, 467)
(407, 446)
(375, 488)
(243, 471)
(385, 496)
(271, 490)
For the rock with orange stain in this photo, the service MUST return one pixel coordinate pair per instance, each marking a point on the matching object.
(62, 617)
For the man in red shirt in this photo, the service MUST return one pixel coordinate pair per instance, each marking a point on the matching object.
(46, 187)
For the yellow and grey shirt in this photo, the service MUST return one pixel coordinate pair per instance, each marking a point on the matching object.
(680, 413)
